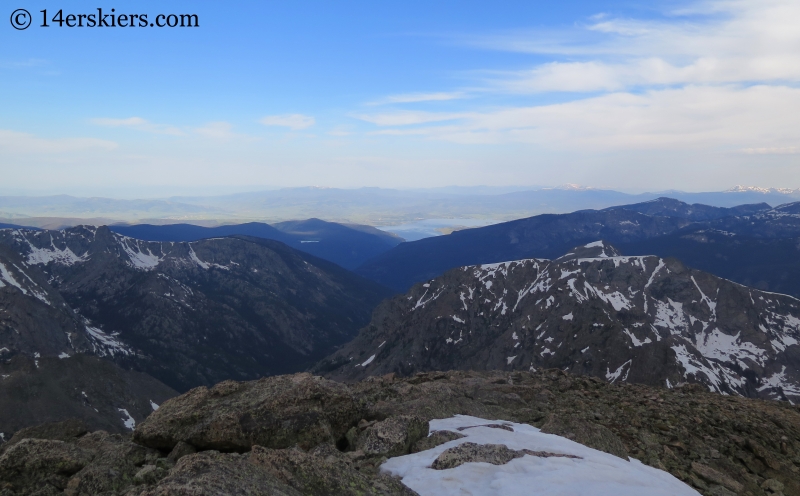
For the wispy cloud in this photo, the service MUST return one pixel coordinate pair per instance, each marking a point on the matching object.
(24, 143)
(139, 124)
(744, 41)
(421, 97)
(785, 150)
(764, 117)
(717, 75)
(216, 131)
(23, 64)
(295, 122)
(406, 118)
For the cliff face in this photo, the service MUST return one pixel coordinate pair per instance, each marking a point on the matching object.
(623, 319)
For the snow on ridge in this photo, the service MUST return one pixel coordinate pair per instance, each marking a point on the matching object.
(635, 340)
(105, 344)
(778, 380)
(43, 256)
(204, 265)
(140, 258)
(7, 277)
(367, 362)
(129, 422)
(595, 473)
(712, 305)
(613, 376)
(422, 301)
(716, 375)
(721, 346)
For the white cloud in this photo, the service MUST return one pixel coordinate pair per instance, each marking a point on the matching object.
(717, 76)
(785, 150)
(744, 41)
(139, 124)
(216, 131)
(24, 143)
(421, 97)
(295, 122)
(727, 118)
(405, 118)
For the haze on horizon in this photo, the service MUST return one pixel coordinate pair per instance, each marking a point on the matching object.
(686, 95)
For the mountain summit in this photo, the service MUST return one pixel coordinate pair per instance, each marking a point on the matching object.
(639, 319)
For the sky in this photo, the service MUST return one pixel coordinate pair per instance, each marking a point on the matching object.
(633, 96)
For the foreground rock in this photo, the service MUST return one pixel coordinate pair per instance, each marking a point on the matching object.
(274, 412)
(301, 434)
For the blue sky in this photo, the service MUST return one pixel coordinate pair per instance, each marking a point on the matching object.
(623, 95)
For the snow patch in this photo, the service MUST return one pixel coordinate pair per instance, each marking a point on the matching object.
(130, 424)
(613, 376)
(635, 340)
(595, 473)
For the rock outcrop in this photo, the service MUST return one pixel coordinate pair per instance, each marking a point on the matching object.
(718, 444)
(273, 412)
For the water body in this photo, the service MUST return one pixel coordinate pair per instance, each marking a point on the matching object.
(434, 227)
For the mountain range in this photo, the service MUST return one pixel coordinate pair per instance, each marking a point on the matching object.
(187, 313)
(105, 323)
(664, 227)
(348, 245)
(642, 319)
(372, 206)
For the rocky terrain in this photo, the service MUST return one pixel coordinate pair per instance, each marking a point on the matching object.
(96, 391)
(46, 371)
(637, 229)
(187, 313)
(300, 434)
(646, 320)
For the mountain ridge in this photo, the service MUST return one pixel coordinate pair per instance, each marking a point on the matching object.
(592, 311)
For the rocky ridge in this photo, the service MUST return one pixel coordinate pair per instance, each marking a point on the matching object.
(720, 445)
(186, 313)
(624, 319)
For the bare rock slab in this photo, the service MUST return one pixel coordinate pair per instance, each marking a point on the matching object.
(273, 412)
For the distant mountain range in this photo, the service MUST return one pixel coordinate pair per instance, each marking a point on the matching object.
(755, 236)
(372, 206)
(346, 245)
(640, 319)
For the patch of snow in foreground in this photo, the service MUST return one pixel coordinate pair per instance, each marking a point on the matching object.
(596, 474)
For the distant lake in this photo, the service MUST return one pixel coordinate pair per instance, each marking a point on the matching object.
(434, 227)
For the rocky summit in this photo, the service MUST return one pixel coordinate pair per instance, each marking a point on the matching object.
(639, 319)
(306, 435)
(186, 313)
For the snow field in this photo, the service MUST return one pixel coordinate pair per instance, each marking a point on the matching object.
(596, 474)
